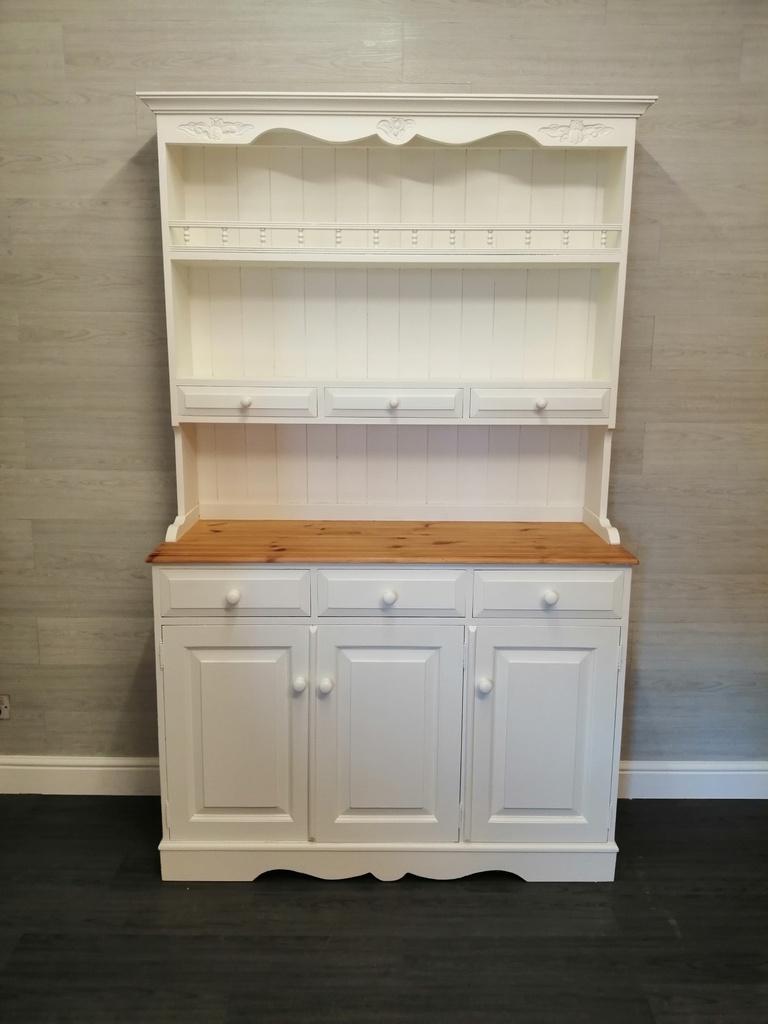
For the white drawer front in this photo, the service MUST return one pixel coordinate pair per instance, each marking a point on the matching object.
(247, 402)
(540, 403)
(394, 403)
(191, 591)
(391, 592)
(574, 593)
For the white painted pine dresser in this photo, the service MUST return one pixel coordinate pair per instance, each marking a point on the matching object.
(391, 613)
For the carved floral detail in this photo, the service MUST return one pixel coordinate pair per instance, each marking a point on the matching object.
(575, 131)
(217, 128)
(396, 128)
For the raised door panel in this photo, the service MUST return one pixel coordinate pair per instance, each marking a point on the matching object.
(388, 740)
(544, 707)
(236, 731)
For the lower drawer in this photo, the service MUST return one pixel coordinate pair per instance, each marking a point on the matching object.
(192, 591)
(578, 593)
(391, 592)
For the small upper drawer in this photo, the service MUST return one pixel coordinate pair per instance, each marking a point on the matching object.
(540, 403)
(246, 402)
(575, 593)
(394, 403)
(391, 592)
(192, 591)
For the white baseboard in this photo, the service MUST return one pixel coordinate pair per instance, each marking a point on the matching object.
(140, 776)
(80, 776)
(693, 780)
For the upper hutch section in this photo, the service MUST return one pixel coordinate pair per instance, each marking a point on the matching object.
(410, 180)
(444, 272)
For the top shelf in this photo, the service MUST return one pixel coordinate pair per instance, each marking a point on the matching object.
(353, 102)
(306, 202)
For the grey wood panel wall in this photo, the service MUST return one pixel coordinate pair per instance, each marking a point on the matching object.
(86, 480)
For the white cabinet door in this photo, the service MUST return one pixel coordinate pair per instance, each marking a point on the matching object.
(236, 731)
(543, 701)
(388, 733)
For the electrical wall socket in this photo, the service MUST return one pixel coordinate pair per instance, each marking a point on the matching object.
(5, 705)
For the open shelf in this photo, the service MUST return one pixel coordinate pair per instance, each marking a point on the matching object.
(283, 183)
(391, 471)
(282, 323)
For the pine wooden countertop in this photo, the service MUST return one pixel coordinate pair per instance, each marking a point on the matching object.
(216, 541)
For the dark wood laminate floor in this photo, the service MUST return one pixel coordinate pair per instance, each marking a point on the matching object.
(90, 935)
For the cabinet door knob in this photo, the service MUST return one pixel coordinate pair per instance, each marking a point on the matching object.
(550, 598)
(299, 684)
(246, 401)
(325, 685)
(485, 686)
(393, 402)
(541, 404)
(389, 597)
(233, 597)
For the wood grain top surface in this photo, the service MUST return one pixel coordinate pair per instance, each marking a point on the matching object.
(216, 541)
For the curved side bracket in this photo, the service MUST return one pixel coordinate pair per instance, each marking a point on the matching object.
(602, 527)
(182, 523)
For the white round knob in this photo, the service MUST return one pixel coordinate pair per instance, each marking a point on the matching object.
(550, 598)
(246, 401)
(299, 684)
(393, 402)
(325, 685)
(541, 403)
(485, 686)
(233, 597)
(389, 597)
